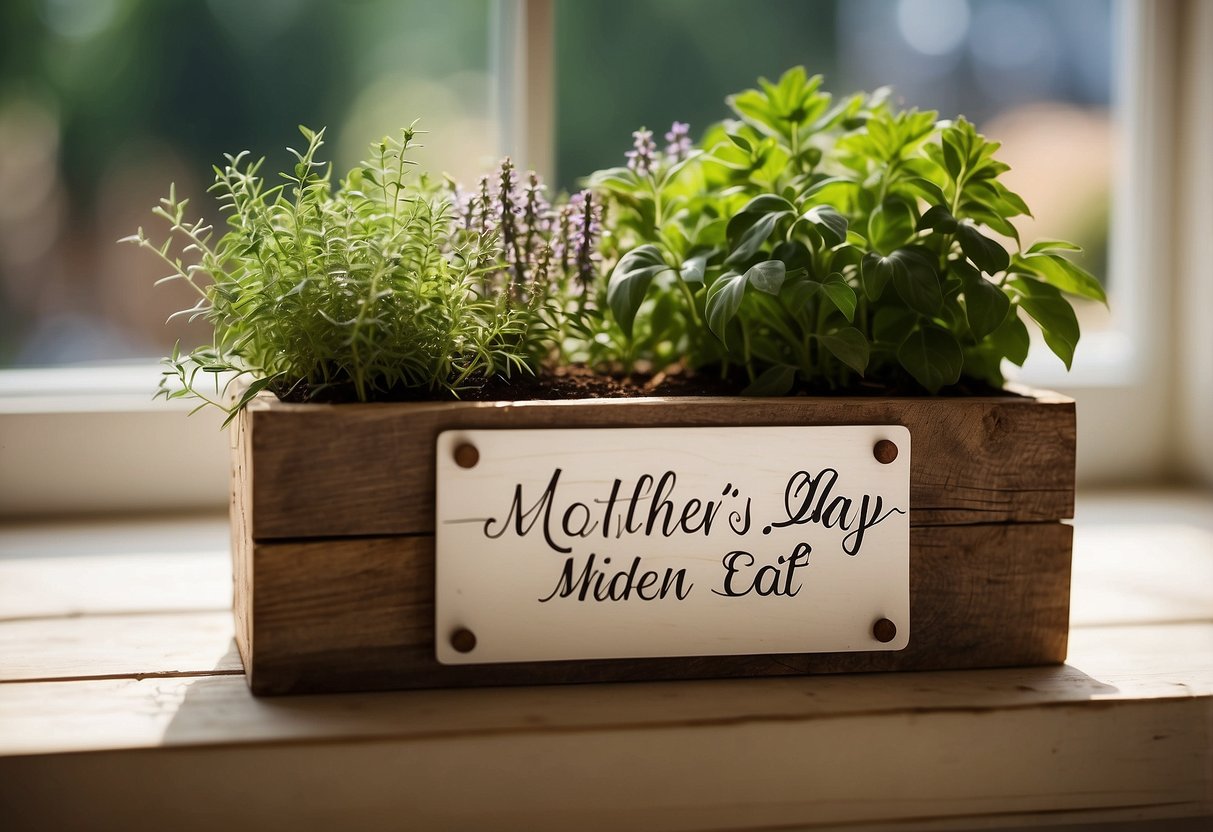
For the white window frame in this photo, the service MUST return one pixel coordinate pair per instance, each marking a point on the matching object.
(92, 440)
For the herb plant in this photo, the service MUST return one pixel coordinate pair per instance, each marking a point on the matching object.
(386, 285)
(806, 243)
(816, 242)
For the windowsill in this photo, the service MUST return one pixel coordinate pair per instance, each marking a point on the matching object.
(93, 439)
(118, 646)
(101, 388)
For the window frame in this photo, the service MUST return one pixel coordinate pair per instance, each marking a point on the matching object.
(92, 439)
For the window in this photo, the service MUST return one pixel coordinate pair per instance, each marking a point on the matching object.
(102, 104)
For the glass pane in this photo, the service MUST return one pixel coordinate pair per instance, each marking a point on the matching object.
(1035, 74)
(104, 103)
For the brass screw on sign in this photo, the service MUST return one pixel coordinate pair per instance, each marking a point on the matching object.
(466, 455)
(884, 631)
(884, 451)
(463, 640)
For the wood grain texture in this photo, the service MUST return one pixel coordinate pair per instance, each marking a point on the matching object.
(1109, 667)
(358, 614)
(54, 587)
(758, 775)
(343, 470)
(241, 537)
(90, 647)
(1125, 733)
(1122, 733)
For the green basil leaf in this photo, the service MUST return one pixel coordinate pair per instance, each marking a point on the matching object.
(755, 109)
(984, 363)
(891, 225)
(740, 141)
(926, 168)
(693, 268)
(767, 276)
(937, 218)
(773, 381)
(1052, 246)
(916, 281)
(629, 282)
(840, 294)
(932, 356)
(793, 253)
(1066, 276)
(1011, 340)
(849, 346)
(619, 180)
(724, 299)
(831, 224)
(820, 183)
(754, 238)
(875, 272)
(991, 220)
(926, 189)
(766, 204)
(1013, 199)
(1048, 308)
(891, 324)
(797, 292)
(953, 157)
(989, 256)
(986, 305)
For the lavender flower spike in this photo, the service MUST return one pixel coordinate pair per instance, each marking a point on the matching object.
(642, 156)
(586, 225)
(678, 140)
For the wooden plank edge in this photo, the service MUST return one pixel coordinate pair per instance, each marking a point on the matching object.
(1011, 496)
(133, 676)
(756, 776)
(1015, 394)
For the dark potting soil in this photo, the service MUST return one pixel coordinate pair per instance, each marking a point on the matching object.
(578, 382)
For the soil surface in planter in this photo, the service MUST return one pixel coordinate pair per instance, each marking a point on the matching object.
(578, 382)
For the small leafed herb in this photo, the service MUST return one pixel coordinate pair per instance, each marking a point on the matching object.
(815, 242)
(385, 284)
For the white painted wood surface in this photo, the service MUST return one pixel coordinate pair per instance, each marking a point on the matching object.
(1122, 733)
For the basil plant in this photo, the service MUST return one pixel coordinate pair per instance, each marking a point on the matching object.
(823, 244)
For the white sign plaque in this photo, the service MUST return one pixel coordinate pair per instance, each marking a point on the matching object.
(643, 542)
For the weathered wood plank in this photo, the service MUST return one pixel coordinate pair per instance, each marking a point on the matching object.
(1042, 765)
(323, 470)
(1125, 733)
(1141, 566)
(1109, 667)
(156, 644)
(820, 774)
(358, 614)
(242, 566)
(51, 587)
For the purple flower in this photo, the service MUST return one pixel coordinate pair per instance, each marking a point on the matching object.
(510, 210)
(678, 141)
(585, 225)
(484, 202)
(641, 157)
(534, 214)
(563, 247)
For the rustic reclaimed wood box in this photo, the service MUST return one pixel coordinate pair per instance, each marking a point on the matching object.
(333, 523)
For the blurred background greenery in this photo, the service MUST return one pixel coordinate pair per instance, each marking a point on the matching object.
(104, 102)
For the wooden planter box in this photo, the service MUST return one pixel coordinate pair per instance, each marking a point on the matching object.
(333, 535)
